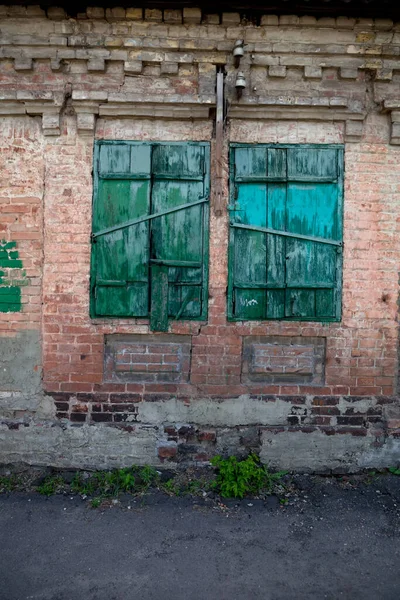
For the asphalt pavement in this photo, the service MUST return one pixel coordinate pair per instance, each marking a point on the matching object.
(328, 543)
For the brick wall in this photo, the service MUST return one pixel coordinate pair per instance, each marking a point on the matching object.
(114, 75)
(21, 214)
(361, 351)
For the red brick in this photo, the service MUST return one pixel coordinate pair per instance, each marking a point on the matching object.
(167, 451)
(207, 436)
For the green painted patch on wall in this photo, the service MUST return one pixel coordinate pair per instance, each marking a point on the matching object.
(10, 287)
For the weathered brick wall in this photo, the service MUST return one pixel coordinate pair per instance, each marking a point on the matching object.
(116, 75)
(21, 252)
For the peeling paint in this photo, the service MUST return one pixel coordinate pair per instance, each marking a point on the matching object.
(11, 279)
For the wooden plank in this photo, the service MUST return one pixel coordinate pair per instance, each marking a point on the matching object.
(148, 217)
(178, 161)
(159, 298)
(311, 211)
(253, 209)
(317, 163)
(177, 236)
(276, 245)
(176, 263)
(250, 163)
(287, 234)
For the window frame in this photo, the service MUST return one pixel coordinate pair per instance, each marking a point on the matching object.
(205, 223)
(340, 220)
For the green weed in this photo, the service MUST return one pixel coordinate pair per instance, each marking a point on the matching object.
(113, 483)
(237, 478)
(8, 483)
(171, 488)
(394, 470)
(148, 476)
(95, 502)
(50, 485)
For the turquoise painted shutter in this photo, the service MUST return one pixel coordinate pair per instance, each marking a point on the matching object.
(295, 273)
(158, 266)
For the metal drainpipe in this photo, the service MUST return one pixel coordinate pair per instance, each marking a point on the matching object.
(219, 143)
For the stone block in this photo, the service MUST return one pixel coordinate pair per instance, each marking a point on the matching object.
(133, 42)
(383, 24)
(96, 64)
(66, 54)
(113, 42)
(353, 130)
(285, 20)
(169, 68)
(58, 40)
(172, 16)
(262, 60)
(133, 66)
(95, 12)
(115, 14)
(23, 63)
(326, 22)
(192, 15)
(180, 57)
(150, 56)
(34, 11)
(77, 40)
(346, 73)
(51, 124)
(338, 101)
(230, 18)
(308, 21)
(55, 64)
(345, 23)
(153, 15)
(384, 74)
(119, 55)
(85, 123)
(134, 14)
(364, 23)
(211, 19)
(395, 134)
(56, 13)
(312, 72)
(270, 20)
(277, 71)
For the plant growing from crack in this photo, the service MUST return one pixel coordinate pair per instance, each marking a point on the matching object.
(237, 478)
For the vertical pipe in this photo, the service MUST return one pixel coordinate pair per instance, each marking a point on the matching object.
(219, 141)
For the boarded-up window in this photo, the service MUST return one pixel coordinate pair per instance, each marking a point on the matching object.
(150, 231)
(285, 255)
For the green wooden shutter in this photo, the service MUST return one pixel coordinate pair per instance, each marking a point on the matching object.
(150, 231)
(286, 229)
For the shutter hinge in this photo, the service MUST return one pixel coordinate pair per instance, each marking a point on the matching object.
(92, 238)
